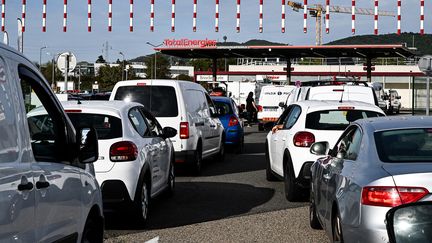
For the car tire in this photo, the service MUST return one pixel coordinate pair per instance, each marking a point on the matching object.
(337, 228)
(313, 218)
(269, 173)
(260, 127)
(220, 157)
(240, 146)
(142, 202)
(197, 161)
(93, 230)
(289, 181)
(171, 180)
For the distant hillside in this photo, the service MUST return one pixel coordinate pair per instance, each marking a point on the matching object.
(423, 43)
(253, 42)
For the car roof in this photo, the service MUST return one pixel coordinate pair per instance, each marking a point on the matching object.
(221, 99)
(115, 107)
(152, 81)
(317, 105)
(395, 122)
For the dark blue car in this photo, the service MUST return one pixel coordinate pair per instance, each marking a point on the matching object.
(230, 118)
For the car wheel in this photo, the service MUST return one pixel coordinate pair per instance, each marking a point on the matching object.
(240, 146)
(289, 181)
(171, 181)
(93, 231)
(143, 202)
(313, 218)
(337, 228)
(197, 163)
(269, 173)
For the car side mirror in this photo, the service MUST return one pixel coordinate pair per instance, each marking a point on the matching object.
(319, 148)
(168, 132)
(410, 223)
(88, 145)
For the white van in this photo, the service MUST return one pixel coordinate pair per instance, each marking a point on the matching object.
(48, 189)
(268, 103)
(185, 106)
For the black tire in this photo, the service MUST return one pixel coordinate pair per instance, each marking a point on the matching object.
(337, 228)
(313, 218)
(289, 181)
(260, 127)
(197, 162)
(269, 173)
(93, 230)
(240, 146)
(142, 201)
(220, 157)
(171, 180)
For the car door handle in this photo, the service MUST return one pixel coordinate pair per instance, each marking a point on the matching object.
(42, 184)
(25, 187)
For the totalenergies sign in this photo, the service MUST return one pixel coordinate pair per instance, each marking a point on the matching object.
(181, 43)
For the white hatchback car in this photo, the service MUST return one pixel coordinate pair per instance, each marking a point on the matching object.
(301, 124)
(136, 156)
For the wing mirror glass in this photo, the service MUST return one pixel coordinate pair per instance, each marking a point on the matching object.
(168, 132)
(410, 222)
(88, 145)
(319, 148)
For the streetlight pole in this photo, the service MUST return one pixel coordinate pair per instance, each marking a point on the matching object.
(40, 57)
(123, 65)
(155, 55)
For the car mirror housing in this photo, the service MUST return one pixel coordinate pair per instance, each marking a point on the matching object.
(88, 145)
(319, 148)
(168, 132)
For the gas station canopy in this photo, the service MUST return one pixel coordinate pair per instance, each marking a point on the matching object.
(285, 51)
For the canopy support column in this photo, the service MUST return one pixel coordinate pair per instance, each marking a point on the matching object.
(369, 69)
(214, 71)
(288, 69)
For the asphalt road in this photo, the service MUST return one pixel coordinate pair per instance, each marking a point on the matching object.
(230, 201)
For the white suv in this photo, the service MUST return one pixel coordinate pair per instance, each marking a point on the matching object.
(301, 124)
(47, 186)
(184, 105)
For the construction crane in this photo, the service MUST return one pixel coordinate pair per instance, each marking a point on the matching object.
(317, 10)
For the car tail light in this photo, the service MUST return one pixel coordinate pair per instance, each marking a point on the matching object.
(123, 151)
(386, 196)
(141, 84)
(338, 90)
(260, 108)
(73, 111)
(346, 108)
(233, 121)
(184, 130)
(304, 139)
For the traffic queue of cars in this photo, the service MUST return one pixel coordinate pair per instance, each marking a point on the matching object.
(333, 143)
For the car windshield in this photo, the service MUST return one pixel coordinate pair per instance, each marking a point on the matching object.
(336, 119)
(107, 127)
(159, 100)
(222, 107)
(405, 145)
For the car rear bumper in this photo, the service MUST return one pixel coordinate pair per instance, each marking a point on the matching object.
(114, 194)
(233, 135)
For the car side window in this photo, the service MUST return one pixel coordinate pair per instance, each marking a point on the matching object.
(210, 104)
(47, 130)
(153, 126)
(138, 122)
(348, 146)
(292, 117)
(284, 115)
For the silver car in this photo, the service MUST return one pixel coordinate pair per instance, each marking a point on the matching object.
(376, 164)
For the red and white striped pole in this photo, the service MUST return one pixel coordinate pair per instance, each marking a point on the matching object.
(131, 15)
(376, 18)
(64, 15)
(152, 15)
(173, 16)
(217, 16)
(23, 14)
(238, 16)
(109, 15)
(3, 15)
(261, 16)
(353, 16)
(283, 17)
(421, 17)
(89, 15)
(327, 16)
(44, 16)
(399, 3)
(305, 16)
(194, 15)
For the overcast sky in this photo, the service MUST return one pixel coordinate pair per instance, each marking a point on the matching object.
(87, 46)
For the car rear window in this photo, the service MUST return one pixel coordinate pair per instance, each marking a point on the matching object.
(404, 145)
(107, 127)
(161, 101)
(336, 119)
(222, 106)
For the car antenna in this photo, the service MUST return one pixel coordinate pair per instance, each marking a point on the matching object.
(343, 91)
